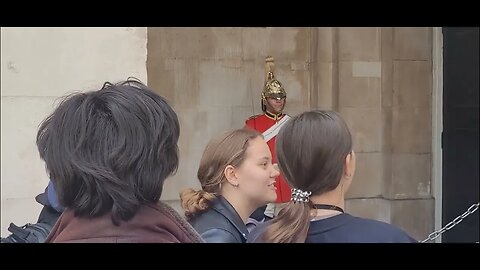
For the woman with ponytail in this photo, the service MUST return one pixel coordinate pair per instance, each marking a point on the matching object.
(237, 176)
(314, 152)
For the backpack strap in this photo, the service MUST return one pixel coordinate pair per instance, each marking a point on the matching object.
(22, 234)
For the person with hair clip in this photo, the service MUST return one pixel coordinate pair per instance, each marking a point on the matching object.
(237, 176)
(108, 153)
(314, 152)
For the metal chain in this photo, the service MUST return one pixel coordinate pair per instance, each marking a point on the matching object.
(452, 223)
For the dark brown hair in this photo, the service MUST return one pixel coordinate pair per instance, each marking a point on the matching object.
(110, 150)
(311, 149)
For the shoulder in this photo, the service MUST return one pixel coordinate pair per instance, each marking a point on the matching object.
(372, 223)
(207, 220)
(215, 228)
(382, 230)
(346, 228)
(285, 118)
(253, 118)
(219, 235)
(170, 220)
(255, 236)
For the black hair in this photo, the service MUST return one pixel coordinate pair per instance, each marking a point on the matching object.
(110, 150)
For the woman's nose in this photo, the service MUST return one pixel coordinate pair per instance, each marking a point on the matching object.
(276, 171)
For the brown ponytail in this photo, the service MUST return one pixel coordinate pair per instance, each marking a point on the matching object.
(194, 202)
(290, 226)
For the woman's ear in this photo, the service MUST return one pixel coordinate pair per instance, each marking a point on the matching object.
(230, 174)
(349, 168)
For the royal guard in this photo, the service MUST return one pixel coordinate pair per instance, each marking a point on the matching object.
(273, 101)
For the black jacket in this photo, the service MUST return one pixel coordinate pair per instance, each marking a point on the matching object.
(220, 223)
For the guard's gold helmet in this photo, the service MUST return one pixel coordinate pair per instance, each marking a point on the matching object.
(272, 88)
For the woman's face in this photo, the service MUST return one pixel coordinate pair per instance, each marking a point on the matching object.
(256, 175)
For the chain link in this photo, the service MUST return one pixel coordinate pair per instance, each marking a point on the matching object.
(452, 223)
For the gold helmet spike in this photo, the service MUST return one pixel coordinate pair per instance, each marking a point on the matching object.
(272, 88)
(269, 68)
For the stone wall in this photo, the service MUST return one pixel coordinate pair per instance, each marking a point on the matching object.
(379, 79)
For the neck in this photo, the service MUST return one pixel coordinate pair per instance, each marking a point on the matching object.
(274, 116)
(334, 197)
(243, 207)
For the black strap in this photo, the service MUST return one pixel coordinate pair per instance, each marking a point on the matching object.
(22, 234)
(19, 231)
(328, 207)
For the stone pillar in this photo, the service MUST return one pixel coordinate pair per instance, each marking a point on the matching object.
(410, 185)
(385, 96)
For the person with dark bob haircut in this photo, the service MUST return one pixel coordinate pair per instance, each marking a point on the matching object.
(108, 153)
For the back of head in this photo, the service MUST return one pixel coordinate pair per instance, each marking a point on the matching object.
(110, 150)
(221, 151)
(311, 149)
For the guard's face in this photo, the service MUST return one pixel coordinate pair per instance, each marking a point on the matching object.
(275, 105)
